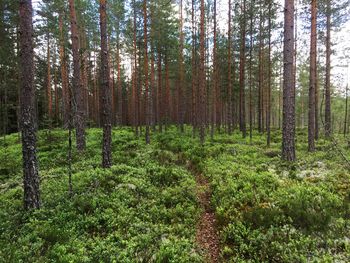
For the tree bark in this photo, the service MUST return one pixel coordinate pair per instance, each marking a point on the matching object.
(181, 99)
(48, 87)
(229, 86)
(242, 117)
(215, 79)
(288, 142)
(268, 106)
(145, 68)
(313, 74)
(106, 94)
(27, 99)
(78, 102)
(250, 72)
(328, 121)
(202, 76)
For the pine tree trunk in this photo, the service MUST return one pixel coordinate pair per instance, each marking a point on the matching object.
(145, 68)
(78, 102)
(202, 77)
(260, 84)
(229, 87)
(27, 99)
(194, 74)
(106, 95)
(250, 72)
(312, 85)
(48, 87)
(268, 111)
(134, 83)
(181, 99)
(288, 143)
(328, 121)
(214, 79)
(160, 92)
(242, 117)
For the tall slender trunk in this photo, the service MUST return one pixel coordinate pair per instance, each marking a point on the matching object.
(250, 72)
(242, 117)
(202, 77)
(167, 102)
(229, 86)
(194, 73)
(268, 106)
(119, 80)
(48, 87)
(181, 99)
(288, 141)
(57, 112)
(134, 83)
(106, 94)
(328, 121)
(214, 79)
(260, 84)
(78, 103)
(160, 92)
(145, 68)
(27, 99)
(313, 74)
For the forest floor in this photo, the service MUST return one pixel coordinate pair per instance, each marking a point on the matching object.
(207, 233)
(230, 200)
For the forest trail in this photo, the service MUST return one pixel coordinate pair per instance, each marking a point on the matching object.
(206, 235)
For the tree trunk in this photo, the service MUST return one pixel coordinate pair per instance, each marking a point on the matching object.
(134, 82)
(250, 72)
(145, 68)
(181, 99)
(106, 94)
(260, 84)
(242, 122)
(78, 103)
(48, 87)
(229, 87)
(312, 85)
(288, 142)
(268, 106)
(27, 98)
(214, 79)
(202, 77)
(328, 121)
(194, 74)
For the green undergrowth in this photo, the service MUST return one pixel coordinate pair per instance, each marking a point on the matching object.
(269, 210)
(141, 210)
(144, 208)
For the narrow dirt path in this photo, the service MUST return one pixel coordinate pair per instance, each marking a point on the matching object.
(206, 235)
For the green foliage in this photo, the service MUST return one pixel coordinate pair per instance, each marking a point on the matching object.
(144, 208)
(269, 210)
(140, 210)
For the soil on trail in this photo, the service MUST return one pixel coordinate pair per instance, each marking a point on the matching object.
(207, 236)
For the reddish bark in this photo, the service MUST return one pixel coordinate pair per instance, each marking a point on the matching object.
(288, 140)
(27, 98)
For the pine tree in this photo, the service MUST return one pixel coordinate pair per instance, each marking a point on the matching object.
(78, 102)
(27, 98)
(288, 140)
(106, 94)
(313, 76)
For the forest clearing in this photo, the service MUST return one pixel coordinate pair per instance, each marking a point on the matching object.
(174, 131)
